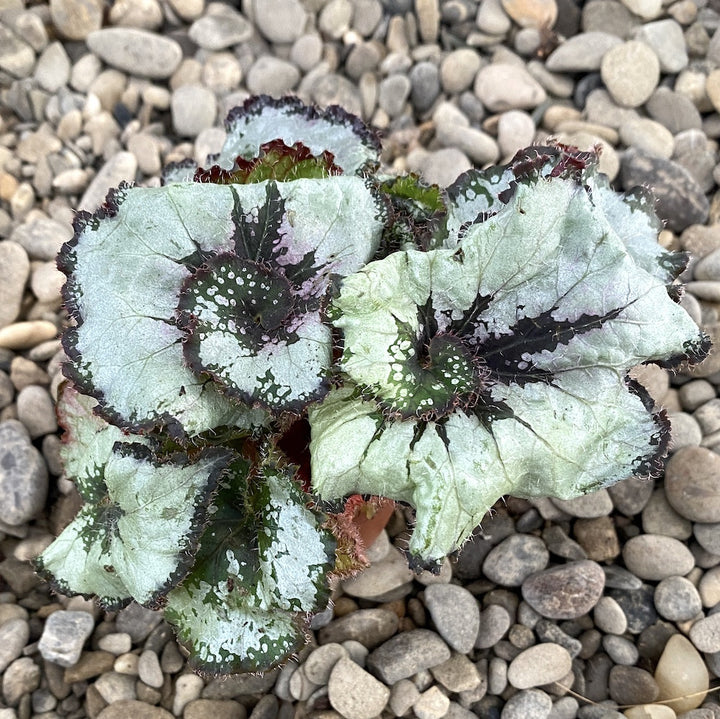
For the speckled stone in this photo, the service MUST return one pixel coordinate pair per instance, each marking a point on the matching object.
(406, 654)
(455, 613)
(565, 592)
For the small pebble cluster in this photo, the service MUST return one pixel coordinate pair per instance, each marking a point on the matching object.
(595, 608)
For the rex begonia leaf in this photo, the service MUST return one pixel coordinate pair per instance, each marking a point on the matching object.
(127, 265)
(262, 566)
(87, 442)
(141, 534)
(262, 119)
(253, 315)
(519, 337)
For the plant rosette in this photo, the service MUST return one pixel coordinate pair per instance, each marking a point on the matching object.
(298, 328)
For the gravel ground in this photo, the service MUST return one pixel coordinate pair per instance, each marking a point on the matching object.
(595, 607)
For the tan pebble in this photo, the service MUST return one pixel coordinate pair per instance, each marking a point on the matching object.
(532, 13)
(8, 186)
(650, 711)
(24, 335)
(681, 675)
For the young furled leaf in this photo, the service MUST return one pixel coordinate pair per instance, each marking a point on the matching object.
(262, 566)
(477, 363)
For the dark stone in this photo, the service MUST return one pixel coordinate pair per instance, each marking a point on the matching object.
(680, 199)
(597, 674)
(632, 685)
(425, 85)
(638, 606)
(584, 86)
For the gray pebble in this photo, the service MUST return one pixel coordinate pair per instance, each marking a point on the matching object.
(561, 545)
(638, 606)
(334, 89)
(707, 268)
(137, 52)
(36, 411)
(121, 166)
(516, 558)
(647, 136)
(708, 416)
(455, 613)
(280, 21)
(692, 484)
(76, 20)
(334, 18)
(441, 167)
(114, 687)
(459, 68)
(529, 703)
(502, 87)
(632, 685)
(137, 621)
(677, 599)
(620, 649)
(548, 631)
(272, 75)
(321, 661)
(494, 623)
(53, 68)
(673, 110)
(659, 517)
(23, 475)
(14, 273)
(457, 674)
(680, 200)
(497, 676)
(222, 26)
(393, 94)
(402, 696)
(708, 536)
(565, 592)
(655, 557)
(17, 58)
(608, 16)
(149, 669)
(406, 654)
(631, 495)
(380, 578)
(705, 634)
(685, 431)
(564, 708)
(14, 635)
(594, 504)
(193, 109)
(665, 37)
(20, 678)
(370, 627)
(609, 616)
(582, 53)
(425, 85)
(306, 51)
(538, 665)
(64, 635)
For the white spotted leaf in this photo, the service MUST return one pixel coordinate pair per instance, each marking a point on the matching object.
(261, 568)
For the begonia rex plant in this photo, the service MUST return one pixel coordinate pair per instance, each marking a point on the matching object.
(256, 341)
